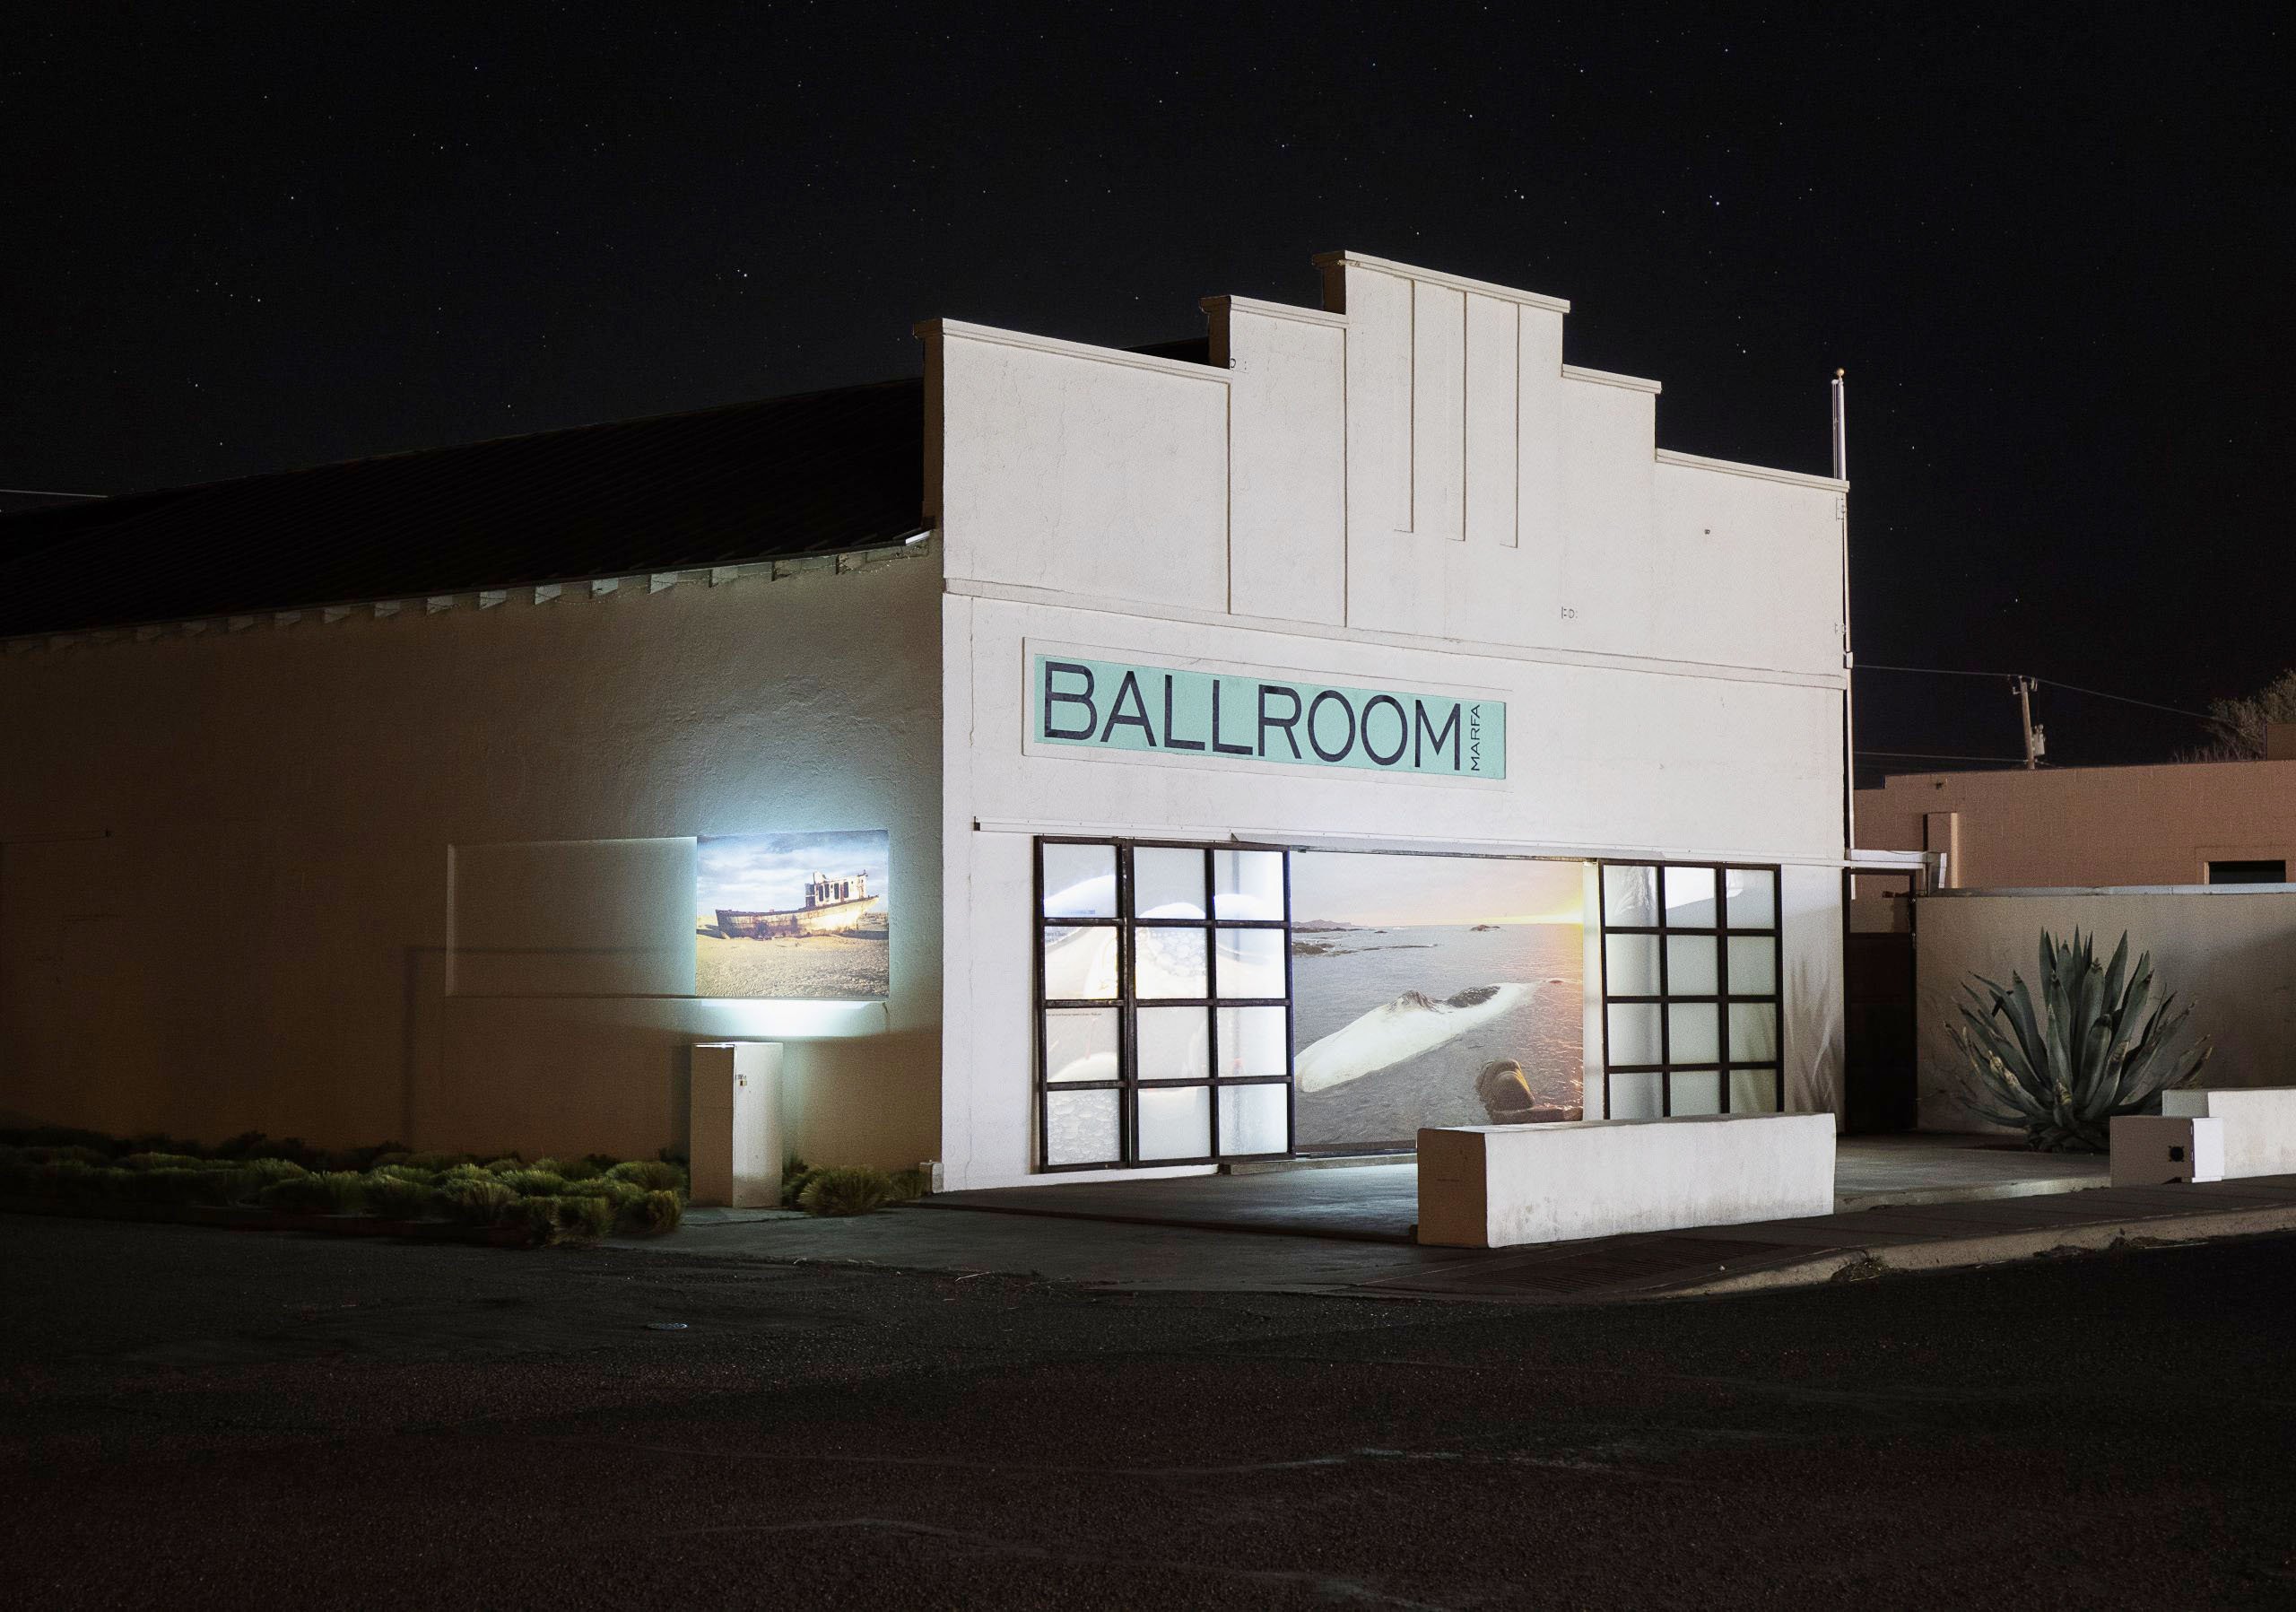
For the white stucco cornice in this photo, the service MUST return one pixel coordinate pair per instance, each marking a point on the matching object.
(943, 329)
(1605, 377)
(1273, 310)
(1792, 478)
(1323, 632)
(1405, 271)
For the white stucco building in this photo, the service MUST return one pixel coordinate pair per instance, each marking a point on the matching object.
(399, 837)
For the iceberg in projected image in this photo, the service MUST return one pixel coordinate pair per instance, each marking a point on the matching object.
(1400, 1030)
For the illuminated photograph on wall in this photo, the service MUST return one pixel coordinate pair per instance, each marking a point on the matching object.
(792, 915)
(1434, 990)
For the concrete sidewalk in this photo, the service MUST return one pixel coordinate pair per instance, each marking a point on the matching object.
(1119, 1254)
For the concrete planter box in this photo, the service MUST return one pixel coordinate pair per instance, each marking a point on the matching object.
(1498, 1186)
(2260, 1126)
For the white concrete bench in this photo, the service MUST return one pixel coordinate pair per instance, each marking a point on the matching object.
(2260, 1125)
(1498, 1186)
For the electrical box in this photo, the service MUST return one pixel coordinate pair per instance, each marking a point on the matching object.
(733, 1148)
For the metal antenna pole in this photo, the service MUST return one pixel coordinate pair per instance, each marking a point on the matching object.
(2036, 741)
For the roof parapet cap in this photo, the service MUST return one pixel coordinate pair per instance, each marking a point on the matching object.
(1481, 288)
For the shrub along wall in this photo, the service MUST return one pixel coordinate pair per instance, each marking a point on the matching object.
(387, 1189)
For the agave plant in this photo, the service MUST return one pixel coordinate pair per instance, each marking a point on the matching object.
(2090, 1051)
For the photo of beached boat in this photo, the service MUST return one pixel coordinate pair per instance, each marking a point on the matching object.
(832, 906)
(769, 922)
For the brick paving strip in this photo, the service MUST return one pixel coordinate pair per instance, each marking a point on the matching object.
(1788, 1253)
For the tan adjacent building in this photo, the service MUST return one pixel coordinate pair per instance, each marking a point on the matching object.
(2195, 823)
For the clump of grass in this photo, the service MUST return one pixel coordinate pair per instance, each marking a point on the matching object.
(481, 1201)
(571, 1170)
(393, 1197)
(324, 1192)
(534, 1183)
(437, 1163)
(846, 1189)
(910, 1184)
(651, 1214)
(584, 1219)
(795, 1174)
(652, 1174)
(505, 1164)
(255, 1175)
(174, 1185)
(171, 1161)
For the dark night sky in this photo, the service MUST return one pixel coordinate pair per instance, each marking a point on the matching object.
(2048, 250)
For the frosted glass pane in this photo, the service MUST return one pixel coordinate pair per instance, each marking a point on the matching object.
(1172, 1044)
(1634, 1033)
(1175, 1124)
(1251, 963)
(1252, 1119)
(1252, 1042)
(1080, 1043)
(1633, 962)
(1170, 963)
(1690, 965)
(1248, 883)
(1753, 1033)
(1699, 1093)
(1752, 898)
(1630, 897)
(1754, 1092)
(1754, 965)
(1690, 897)
(1079, 881)
(1080, 1128)
(1635, 1096)
(1693, 1033)
(1166, 884)
(1080, 964)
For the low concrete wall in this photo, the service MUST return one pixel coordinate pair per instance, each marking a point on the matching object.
(1495, 1186)
(2228, 950)
(2260, 1126)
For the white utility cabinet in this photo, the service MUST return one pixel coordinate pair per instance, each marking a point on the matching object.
(733, 1144)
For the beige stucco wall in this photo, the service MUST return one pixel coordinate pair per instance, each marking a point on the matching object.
(2229, 953)
(225, 860)
(2088, 825)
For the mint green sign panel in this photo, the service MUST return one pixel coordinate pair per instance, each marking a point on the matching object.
(1214, 716)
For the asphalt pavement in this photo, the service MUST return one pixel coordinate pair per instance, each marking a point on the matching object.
(209, 1418)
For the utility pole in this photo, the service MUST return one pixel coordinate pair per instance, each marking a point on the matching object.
(2036, 739)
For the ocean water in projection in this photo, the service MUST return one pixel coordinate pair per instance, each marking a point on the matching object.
(1400, 1024)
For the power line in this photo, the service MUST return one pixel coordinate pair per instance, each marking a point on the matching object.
(39, 493)
(2070, 688)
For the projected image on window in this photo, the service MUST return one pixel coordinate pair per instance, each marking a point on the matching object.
(1434, 990)
(792, 916)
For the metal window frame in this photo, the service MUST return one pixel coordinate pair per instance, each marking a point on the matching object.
(1127, 1005)
(1721, 998)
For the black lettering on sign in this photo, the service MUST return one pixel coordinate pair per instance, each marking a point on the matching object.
(1139, 718)
(1286, 723)
(1423, 730)
(1474, 738)
(1314, 709)
(1054, 696)
(1402, 729)
(1172, 742)
(1216, 745)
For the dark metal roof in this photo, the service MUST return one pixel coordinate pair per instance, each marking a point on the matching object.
(822, 473)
